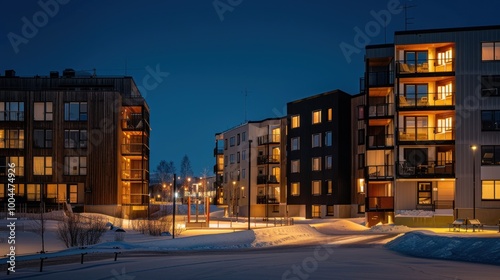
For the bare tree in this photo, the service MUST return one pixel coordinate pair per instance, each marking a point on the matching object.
(186, 169)
(165, 171)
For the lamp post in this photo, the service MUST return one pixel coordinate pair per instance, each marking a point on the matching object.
(249, 177)
(233, 191)
(473, 147)
(174, 198)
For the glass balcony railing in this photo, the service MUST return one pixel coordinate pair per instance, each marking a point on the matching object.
(380, 171)
(429, 133)
(425, 66)
(380, 140)
(134, 149)
(426, 99)
(423, 169)
(380, 78)
(135, 174)
(268, 139)
(264, 179)
(381, 110)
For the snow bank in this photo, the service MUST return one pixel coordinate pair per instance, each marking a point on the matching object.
(339, 226)
(414, 213)
(389, 229)
(428, 245)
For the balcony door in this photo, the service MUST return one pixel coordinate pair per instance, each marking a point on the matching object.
(416, 127)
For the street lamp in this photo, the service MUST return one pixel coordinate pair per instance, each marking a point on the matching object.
(174, 198)
(233, 191)
(249, 177)
(473, 147)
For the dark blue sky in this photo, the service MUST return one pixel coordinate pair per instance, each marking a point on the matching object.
(278, 51)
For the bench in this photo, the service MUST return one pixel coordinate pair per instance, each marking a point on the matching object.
(457, 224)
(475, 223)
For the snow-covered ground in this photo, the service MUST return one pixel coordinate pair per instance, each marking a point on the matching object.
(439, 243)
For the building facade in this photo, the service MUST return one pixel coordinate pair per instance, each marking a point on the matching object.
(77, 140)
(431, 118)
(252, 155)
(319, 156)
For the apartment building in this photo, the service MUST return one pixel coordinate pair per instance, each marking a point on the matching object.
(77, 140)
(431, 116)
(250, 157)
(319, 156)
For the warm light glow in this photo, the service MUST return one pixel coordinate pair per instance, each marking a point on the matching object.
(361, 185)
(164, 185)
(473, 147)
(234, 183)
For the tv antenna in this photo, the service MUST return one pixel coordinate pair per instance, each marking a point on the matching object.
(408, 20)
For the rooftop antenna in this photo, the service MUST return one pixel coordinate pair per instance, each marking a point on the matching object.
(408, 19)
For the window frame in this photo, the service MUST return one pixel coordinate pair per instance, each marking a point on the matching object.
(495, 191)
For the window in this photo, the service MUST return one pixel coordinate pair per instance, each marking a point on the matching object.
(316, 187)
(42, 138)
(73, 193)
(11, 111)
(11, 139)
(75, 165)
(328, 162)
(444, 91)
(444, 57)
(75, 111)
(490, 85)
(490, 190)
(232, 141)
(295, 144)
(316, 140)
(42, 165)
(329, 186)
(424, 193)
(18, 161)
(225, 161)
(238, 157)
(316, 164)
(361, 112)
(316, 211)
(361, 136)
(244, 155)
(238, 139)
(295, 166)
(33, 192)
(57, 192)
(416, 94)
(329, 210)
(444, 124)
(225, 144)
(295, 189)
(361, 161)
(316, 116)
(490, 120)
(330, 114)
(243, 136)
(243, 173)
(415, 59)
(490, 51)
(43, 111)
(75, 138)
(328, 138)
(295, 121)
(231, 158)
(490, 155)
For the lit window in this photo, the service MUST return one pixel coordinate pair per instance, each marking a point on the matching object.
(42, 165)
(295, 121)
(43, 111)
(11, 111)
(444, 124)
(424, 194)
(17, 161)
(445, 91)
(316, 187)
(33, 192)
(316, 140)
(316, 164)
(295, 189)
(330, 114)
(490, 190)
(490, 51)
(295, 166)
(316, 116)
(73, 193)
(12, 139)
(329, 184)
(295, 143)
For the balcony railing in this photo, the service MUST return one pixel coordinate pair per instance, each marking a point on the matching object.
(380, 140)
(264, 179)
(426, 99)
(380, 78)
(135, 174)
(426, 66)
(267, 199)
(425, 169)
(381, 110)
(380, 203)
(426, 133)
(134, 149)
(133, 122)
(380, 171)
(269, 139)
(264, 159)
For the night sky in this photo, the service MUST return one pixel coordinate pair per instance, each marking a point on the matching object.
(206, 58)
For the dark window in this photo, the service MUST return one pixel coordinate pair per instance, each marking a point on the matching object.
(361, 161)
(490, 155)
(490, 86)
(361, 136)
(11, 111)
(42, 138)
(75, 111)
(490, 120)
(75, 139)
(361, 112)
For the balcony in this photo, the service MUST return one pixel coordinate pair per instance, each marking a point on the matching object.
(135, 174)
(218, 151)
(133, 122)
(380, 78)
(425, 66)
(134, 149)
(426, 100)
(378, 203)
(264, 159)
(381, 110)
(269, 139)
(425, 169)
(380, 140)
(377, 172)
(267, 199)
(264, 179)
(426, 133)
